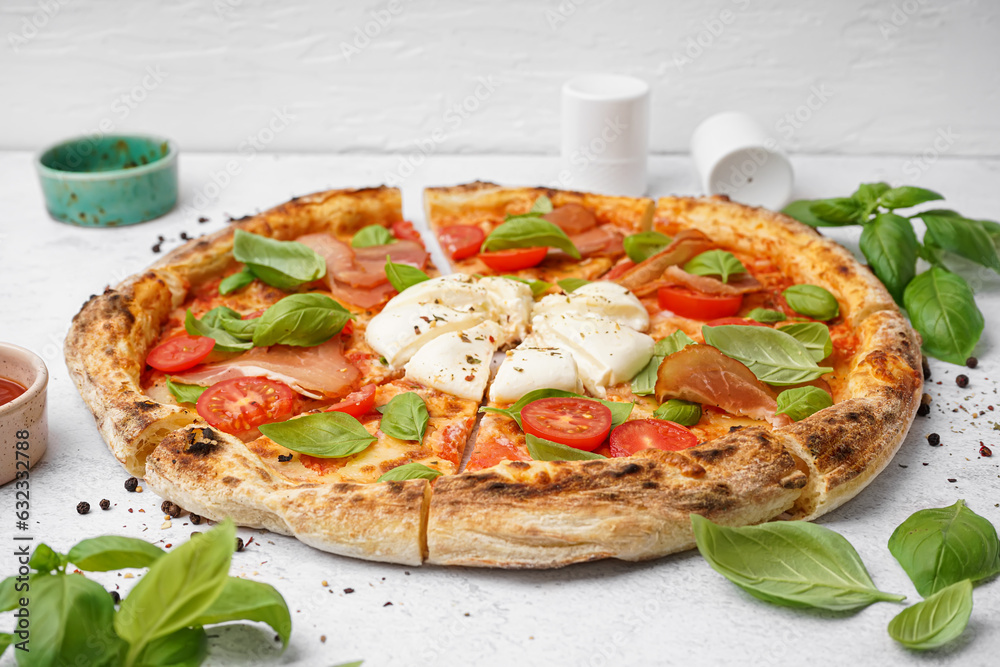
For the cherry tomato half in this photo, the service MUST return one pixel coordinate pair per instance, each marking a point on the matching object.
(697, 305)
(239, 405)
(514, 259)
(461, 241)
(639, 434)
(356, 404)
(576, 422)
(180, 353)
(739, 321)
(404, 230)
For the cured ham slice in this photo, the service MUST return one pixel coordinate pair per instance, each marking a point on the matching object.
(599, 241)
(572, 219)
(739, 283)
(316, 372)
(685, 246)
(703, 374)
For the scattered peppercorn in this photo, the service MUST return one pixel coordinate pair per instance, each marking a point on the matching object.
(923, 410)
(933, 439)
(185, 237)
(202, 219)
(105, 504)
(962, 381)
(239, 544)
(131, 484)
(972, 362)
(984, 450)
(170, 509)
(82, 508)
(952, 480)
(195, 519)
(926, 368)
(160, 238)
(115, 597)
(348, 590)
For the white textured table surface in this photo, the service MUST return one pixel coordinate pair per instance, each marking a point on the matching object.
(675, 610)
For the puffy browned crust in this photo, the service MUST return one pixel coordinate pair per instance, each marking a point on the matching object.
(215, 475)
(549, 514)
(843, 447)
(109, 338)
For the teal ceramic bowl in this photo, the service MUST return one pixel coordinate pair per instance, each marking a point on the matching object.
(110, 180)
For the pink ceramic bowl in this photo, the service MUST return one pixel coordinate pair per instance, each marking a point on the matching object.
(24, 432)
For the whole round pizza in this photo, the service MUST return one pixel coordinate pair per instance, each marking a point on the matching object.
(590, 372)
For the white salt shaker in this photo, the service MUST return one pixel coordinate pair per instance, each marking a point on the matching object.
(605, 134)
(735, 156)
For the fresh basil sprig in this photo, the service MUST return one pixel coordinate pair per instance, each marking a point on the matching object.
(812, 301)
(935, 621)
(800, 402)
(541, 449)
(715, 263)
(766, 315)
(328, 435)
(537, 286)
(303, 320)
(944, 546)
(236, 281)
(185, 393)
(644, 383)
(772, 355)
(372, 235)
(101, 554)
(225, 326)
(640, 247)
(789, 563)
(404, 417)
(890, 245)
(685, 413)
(529, 231)
(814, 336)
(409, 471)
(282, 264)
(572, 284)
(402, 276)
(620, 410)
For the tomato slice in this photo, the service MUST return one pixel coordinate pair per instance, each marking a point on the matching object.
(698, 305)
(239, 405)
(356, 404)
(461, 241)
(180, 353)
(405, 231)
(639, 434)
(514, 259)
(576, 422)
(740, 321)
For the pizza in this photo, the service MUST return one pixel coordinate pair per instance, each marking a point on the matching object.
(586, 373)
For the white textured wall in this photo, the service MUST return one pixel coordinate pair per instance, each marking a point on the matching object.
(882, 76)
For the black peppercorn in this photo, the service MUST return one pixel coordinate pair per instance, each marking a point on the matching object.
(115, 597)
(195, 519)
(82, 508)
(972, 362)
(962, 381)
(105, 504)
(170, 509)
(933, 439)
(926, 368)
(923, 410)
(239, 544)
(131, 484)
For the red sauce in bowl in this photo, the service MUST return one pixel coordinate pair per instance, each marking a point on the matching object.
(9, 390)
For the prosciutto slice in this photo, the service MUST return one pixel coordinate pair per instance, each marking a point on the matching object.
(739, 283)
(315, 372)
(685, 246)
(703, 374)
(599, 241)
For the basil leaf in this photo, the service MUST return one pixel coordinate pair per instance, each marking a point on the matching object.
(187, 647)
(71, 622)
(868, 194)
(644, 383)
(213, 325)
(943, 310)
(541, 449)
(101, 554)
(800, 402)
(542, 206)
(246, 600)
(944, 546)
(44, 559)
(12, 589)
(236, 281)
(303, 320)
(327, 435)
(185, 393)
(372, 235)
(891, 248)
(409, 471)
(282, 264)
(772, 355)
(685, 413)
(177, 589)
(404, 417)
(766, 315)
(935, 621)
(812, 301)
(715, 263)
(537, 286)
(529, 231)
(789, 563)
(801, 210)
(814, 336)
(6, 639)
(966, 238)
(570, 284)
(402, 276)
(620, 410)
(644, 245)
(676, 341)
(837, 211)
(906, 196)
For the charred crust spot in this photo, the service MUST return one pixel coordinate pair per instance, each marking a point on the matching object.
(650, 485)
(519, 465)
(229, 480)
(201, 441)
(630, 469)
(843, 269)
(147, 405)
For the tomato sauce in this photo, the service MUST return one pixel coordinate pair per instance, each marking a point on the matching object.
(9, 390)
